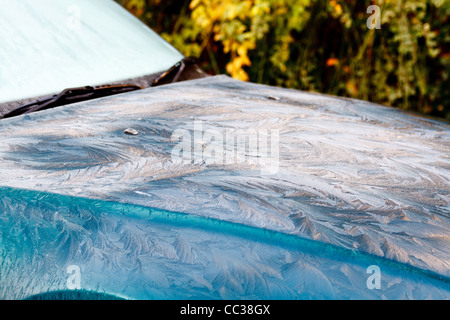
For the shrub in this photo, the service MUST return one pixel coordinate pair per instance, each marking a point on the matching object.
(324, 45)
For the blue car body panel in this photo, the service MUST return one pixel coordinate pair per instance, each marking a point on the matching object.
(347, 185)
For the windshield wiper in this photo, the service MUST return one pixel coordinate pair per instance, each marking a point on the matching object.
(174, 73)
(71, 95)
(182, 70)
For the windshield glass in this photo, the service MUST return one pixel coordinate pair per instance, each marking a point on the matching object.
(47, 46)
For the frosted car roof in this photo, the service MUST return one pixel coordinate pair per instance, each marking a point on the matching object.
(353, 185)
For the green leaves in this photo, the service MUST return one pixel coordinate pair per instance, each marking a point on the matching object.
(322, 45)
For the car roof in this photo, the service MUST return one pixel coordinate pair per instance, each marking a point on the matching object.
(347, 173)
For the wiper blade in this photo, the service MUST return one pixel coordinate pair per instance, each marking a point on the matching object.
(71, 95)
(173, 74)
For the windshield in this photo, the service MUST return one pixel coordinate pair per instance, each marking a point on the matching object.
(48, 45)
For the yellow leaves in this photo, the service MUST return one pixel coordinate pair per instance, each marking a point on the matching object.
(201, 18)
(260, 8)
(137, 7)
(337, 8)
(235, 67)
(238, 10)
(351, 88)
(226, 21)
(243, 49)
(205, 13)
(239, 24)
(194, 4)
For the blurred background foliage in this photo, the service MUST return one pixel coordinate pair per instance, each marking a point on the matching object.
(323, 46)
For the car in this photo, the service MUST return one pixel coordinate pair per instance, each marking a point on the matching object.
(126, 172)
